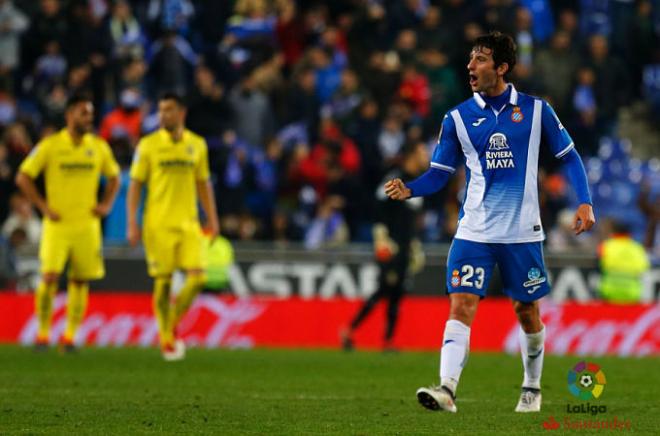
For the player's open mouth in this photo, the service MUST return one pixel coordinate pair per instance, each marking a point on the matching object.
(473, 80)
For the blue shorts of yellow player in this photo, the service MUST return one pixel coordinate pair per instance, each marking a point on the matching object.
(470, 266)
(169, 249)
(79, 243)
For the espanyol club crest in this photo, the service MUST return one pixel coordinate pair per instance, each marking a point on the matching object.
(516, 115)
(455, 279)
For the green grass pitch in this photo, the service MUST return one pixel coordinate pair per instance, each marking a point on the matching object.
(289, 392)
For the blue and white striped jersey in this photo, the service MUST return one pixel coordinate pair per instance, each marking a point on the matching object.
(500, 150)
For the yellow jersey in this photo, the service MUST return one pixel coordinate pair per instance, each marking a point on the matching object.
(72, 172)
(171, 171)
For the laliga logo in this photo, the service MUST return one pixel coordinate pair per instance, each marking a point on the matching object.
(586, 380)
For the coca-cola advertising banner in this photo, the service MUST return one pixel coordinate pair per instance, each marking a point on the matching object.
(118, 319)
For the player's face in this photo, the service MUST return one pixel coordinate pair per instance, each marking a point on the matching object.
(171, 115)
(483, 74)
(81, 117)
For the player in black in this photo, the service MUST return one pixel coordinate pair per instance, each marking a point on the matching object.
(397, 251)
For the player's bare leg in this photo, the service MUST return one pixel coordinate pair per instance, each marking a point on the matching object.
(454, 353)
(532, 338)
(43, 307)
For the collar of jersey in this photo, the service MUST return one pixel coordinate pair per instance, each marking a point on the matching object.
(69, 140)
(513, 98)
(169, 139)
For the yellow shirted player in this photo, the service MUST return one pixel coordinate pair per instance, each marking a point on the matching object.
(72, 162)
(173, 164)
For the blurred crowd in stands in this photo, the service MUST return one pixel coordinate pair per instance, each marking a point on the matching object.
(305, 105)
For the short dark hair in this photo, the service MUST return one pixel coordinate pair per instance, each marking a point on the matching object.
(172, 96)
(503, 47)
(74, 99)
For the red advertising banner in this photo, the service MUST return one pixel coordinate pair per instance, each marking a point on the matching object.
(117, 319)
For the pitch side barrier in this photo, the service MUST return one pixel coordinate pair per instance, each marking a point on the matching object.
(285, 271)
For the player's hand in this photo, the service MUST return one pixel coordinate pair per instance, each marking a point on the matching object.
(584, 218)
(133, 234)
(212, 229)
(101, 210)
(50, 214)
(397, 190)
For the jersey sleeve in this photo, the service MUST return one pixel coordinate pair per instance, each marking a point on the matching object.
(202, 170)
(447, 150)
(109, 166)
(554, 133)
(140, 164)
(35, 162)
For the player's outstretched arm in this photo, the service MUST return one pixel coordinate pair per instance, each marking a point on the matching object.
(207, 198)
(104, 207)
(29, 189)
(430, 182)
(132, 202)
(584, 218)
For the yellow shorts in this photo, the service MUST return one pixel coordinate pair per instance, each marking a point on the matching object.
(79, 243)
(168, 249)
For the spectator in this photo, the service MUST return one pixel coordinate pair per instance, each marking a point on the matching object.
(651, 87)
(642, 39)
(525, 42)
(125, 122)
(290, 32)
(554, 68)
(443, 82)
(126, 33)
(6, 181)
(7, 108)
(18, 142)
(434, 33)
(346, 99)
(303, 105)
(170, 15)
(649, 203)
(328, 74)
(23, 217)
(585, 106)
(332, 153)
(541, 16)
(328, 229)
(171, 63)
(623, 262)
(208, 109)
(611, 86)
(390, 141)
(405, 46)
(49, 24)
(12, 24)
(365, 130)
(50, 67)
(8, 271)
(415, 89)
(252, 118)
